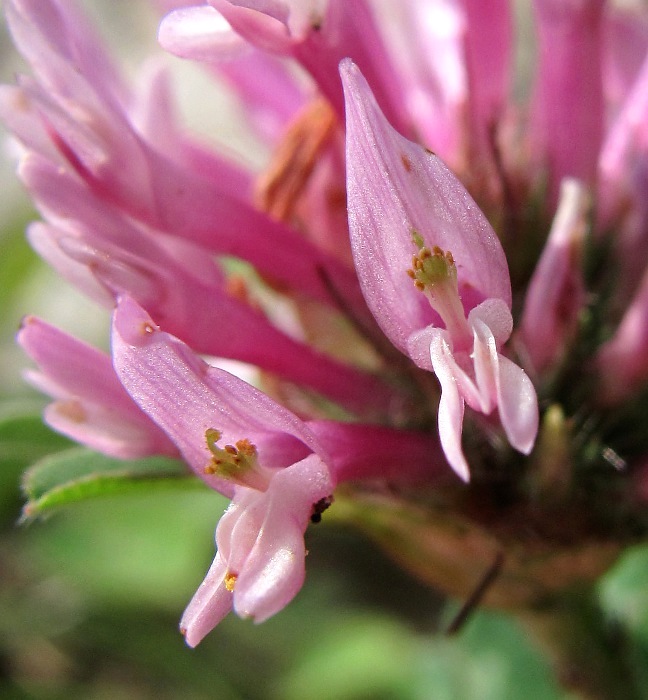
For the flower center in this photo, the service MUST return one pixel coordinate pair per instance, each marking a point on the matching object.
(237, 463)
(435, 274)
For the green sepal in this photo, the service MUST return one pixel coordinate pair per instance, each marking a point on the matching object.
(78, 474)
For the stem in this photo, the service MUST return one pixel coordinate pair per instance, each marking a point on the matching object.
(589, 652)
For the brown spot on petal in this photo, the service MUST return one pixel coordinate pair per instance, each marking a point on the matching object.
(72, 409)
(407, 163)
(20, 102)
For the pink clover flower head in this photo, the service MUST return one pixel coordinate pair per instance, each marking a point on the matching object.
(408, 214)
(246, 446)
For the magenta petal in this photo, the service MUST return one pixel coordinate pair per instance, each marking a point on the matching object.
(371, 451)
(488, 48)
(623, 360)
(568, 115)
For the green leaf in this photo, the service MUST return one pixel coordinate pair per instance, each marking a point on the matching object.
(24, 437)
(23, 440)
(78, 474)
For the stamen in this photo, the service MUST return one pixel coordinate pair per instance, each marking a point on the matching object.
(238, 463)
(230, 581)
(435, 274)
(281, 187)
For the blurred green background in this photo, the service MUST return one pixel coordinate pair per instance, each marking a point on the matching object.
(90, 598)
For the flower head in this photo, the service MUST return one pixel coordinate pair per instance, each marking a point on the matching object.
(360, 276)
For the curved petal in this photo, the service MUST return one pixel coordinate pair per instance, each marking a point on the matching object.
(199, 33)
(264, 24)
(274, 569)
(485, 359)
(517, 404)
(451, 407)
(209, 605)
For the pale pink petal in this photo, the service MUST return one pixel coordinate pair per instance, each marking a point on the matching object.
(622, 175)
(625, 36)
(451, 407)
(199, 33)
(517, 404)
(271, 94)
(497, 316)
(209, 605)
(45, 240)
(274, 568)
(505, 385)
(92, 406)
(19, 116)
(50, 33)
(430, 47)
(485, 359)
(263, 24)
(274, 572)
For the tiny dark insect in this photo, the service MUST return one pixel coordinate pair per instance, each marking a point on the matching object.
(320, 507)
